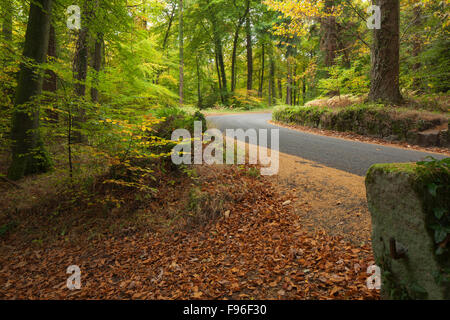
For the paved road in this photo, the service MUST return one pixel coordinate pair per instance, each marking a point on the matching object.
(351, 156)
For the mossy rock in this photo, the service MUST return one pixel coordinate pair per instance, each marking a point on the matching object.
(402, 213)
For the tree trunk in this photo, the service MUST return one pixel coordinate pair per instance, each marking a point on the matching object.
(219, 79)
(50, 82)
(385, 55)
(261, 81)
(181, 45)
(289, 77)
(96, 65)
(80, 68)
(28, 153)
(416, 46)
(280, 88)
(233, 58)
(199, 93)
(272, 93)
(303, 90)
(329, 35)
(249, 54)
(220, 67)
(80, 62)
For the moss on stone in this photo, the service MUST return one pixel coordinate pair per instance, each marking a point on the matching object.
(367, 119)
(403, 208)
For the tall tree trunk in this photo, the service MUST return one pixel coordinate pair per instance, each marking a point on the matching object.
(235, 43)
(220, 66)
(289, 76)
(80, 68)
(329, 35)
(28, 153)
(280, 88)
(199, 93)
(385, 55)
(80, 63)
(181, 45)
(216, 60)
(303, 90)
(261, 80)
(248, 31)
(96, 65)
(50, 82)
(416, 45)
(233, 58)
(272, 93)
(294, 87)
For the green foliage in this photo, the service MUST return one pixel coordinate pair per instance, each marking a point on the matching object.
(433, 184)
(435, 187)
(246, 100)
(343, 80)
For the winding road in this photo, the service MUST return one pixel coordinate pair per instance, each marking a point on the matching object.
(347, 155)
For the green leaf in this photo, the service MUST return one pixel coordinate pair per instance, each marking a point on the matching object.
(440, 235)
(439, 212)
(432, 189)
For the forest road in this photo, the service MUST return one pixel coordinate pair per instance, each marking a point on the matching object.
(347, 155)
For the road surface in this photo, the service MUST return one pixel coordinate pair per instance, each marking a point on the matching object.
(350, 156)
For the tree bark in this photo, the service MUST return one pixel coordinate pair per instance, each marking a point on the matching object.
(261, 80)
(289, 77)
(219, 78)
(80, 62)
(280, 88)
(28, 152)
(416, 45)
(303, 90)
(272, 93)
(96, 65)
(233, 58)
(181, 45)
(385, 55)
(50, 82)
(249, 54)
(199, 93)
(220, 66)
(329, 35)
(80, 68)
(235, 43)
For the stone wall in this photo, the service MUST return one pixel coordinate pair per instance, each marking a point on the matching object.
(415, 127)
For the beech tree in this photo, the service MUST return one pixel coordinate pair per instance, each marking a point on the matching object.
(28, 153)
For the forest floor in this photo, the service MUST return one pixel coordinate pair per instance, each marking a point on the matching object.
(225, 233)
